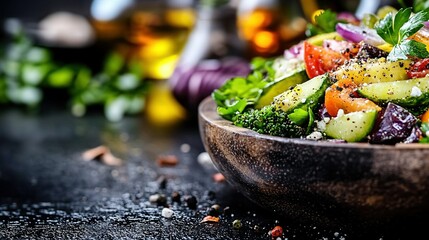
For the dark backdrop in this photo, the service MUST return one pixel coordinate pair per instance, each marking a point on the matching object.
(37, 9)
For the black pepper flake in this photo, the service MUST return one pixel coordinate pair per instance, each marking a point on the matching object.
(227, 210)
(191, 201)
(162, 182)
(162, 200)
(214, 211)
(175, 197)
(211, 195)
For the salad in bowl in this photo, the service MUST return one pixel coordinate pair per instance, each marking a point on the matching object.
(352, 80)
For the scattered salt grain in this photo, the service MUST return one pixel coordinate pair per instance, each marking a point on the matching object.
(185, 148)
(153, 198)
(167, 213)
(205, 160)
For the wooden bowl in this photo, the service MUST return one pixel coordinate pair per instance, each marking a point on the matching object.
(318, 180)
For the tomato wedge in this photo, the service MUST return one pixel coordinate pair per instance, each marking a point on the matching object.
(342, 95)
(419, 69)
(319, 60)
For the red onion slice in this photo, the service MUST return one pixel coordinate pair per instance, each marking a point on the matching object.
(355, 33)
(296, 51)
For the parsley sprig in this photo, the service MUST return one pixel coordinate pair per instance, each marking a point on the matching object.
(396, 28)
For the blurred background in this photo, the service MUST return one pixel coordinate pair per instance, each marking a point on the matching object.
(156, 57)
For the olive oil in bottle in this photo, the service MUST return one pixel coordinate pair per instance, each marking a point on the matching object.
(270, 26)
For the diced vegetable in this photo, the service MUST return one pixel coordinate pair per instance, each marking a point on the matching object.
(395, 125)
(419, 69)
(268, 120)
(342, 96)
(319, 60)
(407, 93)
(280, 85)
(425, 117)
(307, 94)
(351, 127)
(367, 51)
(373, 70)
(357, 34)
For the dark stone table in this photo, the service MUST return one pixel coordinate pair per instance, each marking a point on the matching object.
(47, 190)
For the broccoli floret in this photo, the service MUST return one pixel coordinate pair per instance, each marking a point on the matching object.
(268, 120)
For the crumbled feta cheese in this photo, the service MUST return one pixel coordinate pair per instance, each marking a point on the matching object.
(303, 100)
(315, 136)
(416, 92)
(340, 113)
(321, 125)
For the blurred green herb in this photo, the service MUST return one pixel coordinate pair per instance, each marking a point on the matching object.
(325, 22)
(28, 71)
(213, 3)
(418, 5)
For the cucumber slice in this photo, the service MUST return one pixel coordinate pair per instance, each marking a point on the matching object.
(406, 93)
(303, 95)
(351, 127)
(280, 85)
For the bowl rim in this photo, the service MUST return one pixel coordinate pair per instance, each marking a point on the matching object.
(207, 111)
